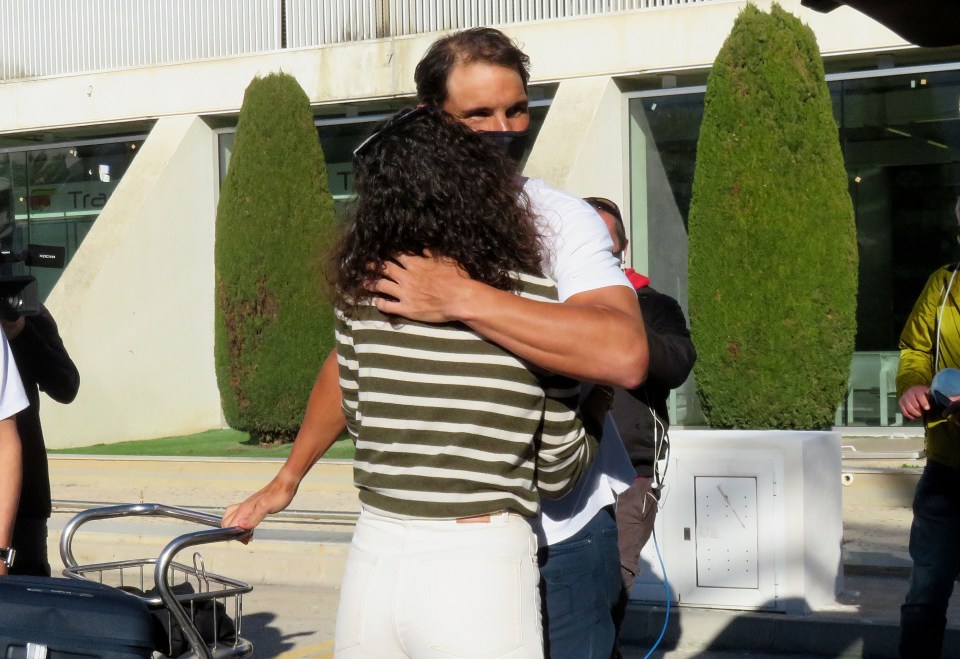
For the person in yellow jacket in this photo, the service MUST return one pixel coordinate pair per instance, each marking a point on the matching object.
(930, 342)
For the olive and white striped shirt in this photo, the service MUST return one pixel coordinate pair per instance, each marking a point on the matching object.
(448, 424)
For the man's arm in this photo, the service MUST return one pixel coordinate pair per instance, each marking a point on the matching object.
(596, 335)
(672, 353)
(917, 347)
(323, 422)
(37, 346)
(10, 476)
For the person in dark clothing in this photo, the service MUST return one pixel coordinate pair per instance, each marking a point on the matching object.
(643, 421)
(44, 365)
(641, 414)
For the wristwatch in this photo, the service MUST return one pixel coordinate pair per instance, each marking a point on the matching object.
(7, 555)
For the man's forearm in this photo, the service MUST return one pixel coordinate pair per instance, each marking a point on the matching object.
(596, 336)
(915, 369)
(40, 346)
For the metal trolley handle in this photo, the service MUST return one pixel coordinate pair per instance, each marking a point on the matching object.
(166, 557)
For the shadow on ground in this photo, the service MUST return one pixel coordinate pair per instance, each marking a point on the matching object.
(267, 639)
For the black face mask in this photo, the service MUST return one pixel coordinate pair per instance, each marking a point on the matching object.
(513, 142)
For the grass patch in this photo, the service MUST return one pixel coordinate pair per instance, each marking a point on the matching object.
(212, 443)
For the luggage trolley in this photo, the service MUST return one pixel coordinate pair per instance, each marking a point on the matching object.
(173, 589)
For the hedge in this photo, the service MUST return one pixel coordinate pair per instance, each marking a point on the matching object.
(275, 223)
(773, 252)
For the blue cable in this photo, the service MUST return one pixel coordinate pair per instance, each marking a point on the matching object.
(666, 584)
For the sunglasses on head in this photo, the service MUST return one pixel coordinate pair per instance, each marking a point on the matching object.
(399, 119)
(604, 204)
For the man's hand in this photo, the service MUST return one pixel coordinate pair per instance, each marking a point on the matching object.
(423, 288)
(272, 498)
(915, 401)
(12, 328)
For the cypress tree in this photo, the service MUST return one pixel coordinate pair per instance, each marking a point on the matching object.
(275, 223)
(773, 253)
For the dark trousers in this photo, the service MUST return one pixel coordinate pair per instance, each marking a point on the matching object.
(580, 584)
(935, 550)
(30, 542)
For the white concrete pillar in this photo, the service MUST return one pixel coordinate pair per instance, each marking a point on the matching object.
(135, 306)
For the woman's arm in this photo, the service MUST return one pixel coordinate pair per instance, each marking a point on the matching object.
(323, 423)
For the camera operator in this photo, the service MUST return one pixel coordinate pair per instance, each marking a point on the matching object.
(44, 365)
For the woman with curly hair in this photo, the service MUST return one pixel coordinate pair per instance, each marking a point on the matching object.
(456, 438)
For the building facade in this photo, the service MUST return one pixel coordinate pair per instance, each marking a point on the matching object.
(117, 120)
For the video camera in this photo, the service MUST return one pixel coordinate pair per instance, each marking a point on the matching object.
(19, 294)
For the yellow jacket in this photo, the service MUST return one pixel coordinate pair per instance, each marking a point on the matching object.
(918, 347)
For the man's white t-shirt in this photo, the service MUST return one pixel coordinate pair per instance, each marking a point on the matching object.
(610, 473)
(579, 248)
(580, 258)
(12, 396)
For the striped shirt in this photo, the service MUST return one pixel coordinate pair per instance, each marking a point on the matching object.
(448, 424)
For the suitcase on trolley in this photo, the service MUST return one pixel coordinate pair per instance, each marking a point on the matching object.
(51, 618)
(194, 610)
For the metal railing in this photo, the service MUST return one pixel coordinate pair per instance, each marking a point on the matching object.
(61, 37)
(289, 516)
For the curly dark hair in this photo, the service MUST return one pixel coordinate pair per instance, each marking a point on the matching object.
(427, 182)
(479, 44)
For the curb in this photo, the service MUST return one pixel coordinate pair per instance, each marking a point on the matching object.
(718, 630)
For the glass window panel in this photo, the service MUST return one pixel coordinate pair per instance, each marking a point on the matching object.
(53, 196)
(902, 150)
(664, 133)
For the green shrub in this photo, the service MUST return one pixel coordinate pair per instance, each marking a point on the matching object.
(275, 223)
(773, 254)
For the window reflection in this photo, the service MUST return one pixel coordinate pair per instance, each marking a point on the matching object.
(53, 195)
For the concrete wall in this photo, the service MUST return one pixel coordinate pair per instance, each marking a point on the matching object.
(665, 39)
(135, 307)
(580, 147)
(136, 304)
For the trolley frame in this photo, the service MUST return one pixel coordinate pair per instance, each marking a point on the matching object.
(211, 587)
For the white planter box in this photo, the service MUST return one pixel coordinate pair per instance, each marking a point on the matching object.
(749, 520)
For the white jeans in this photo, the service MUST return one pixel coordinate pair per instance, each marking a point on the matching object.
(417, 589)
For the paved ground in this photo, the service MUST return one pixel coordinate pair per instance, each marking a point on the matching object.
(285, 617)
(291, 622)
(288, 622)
